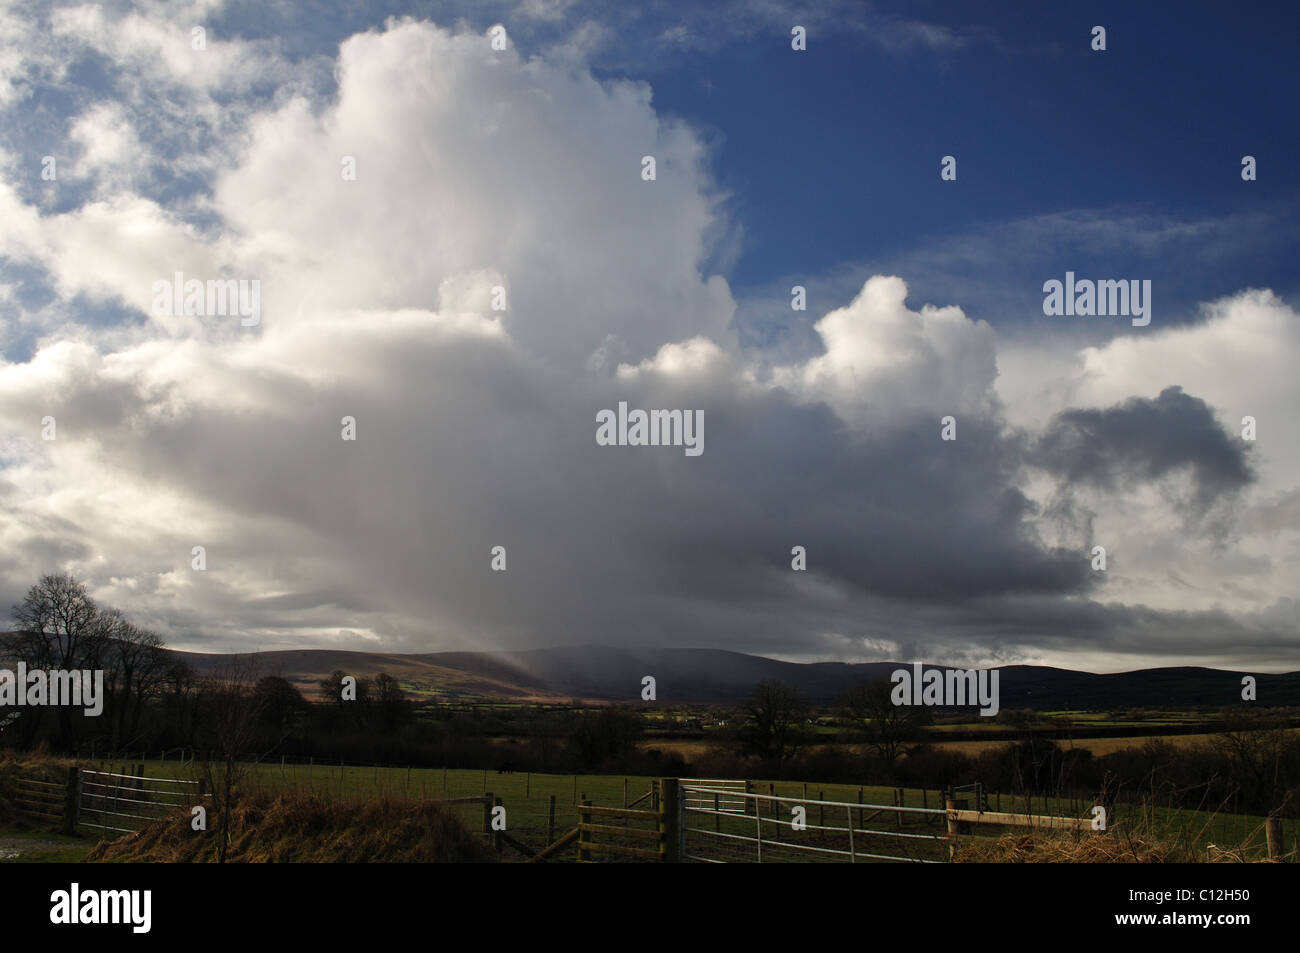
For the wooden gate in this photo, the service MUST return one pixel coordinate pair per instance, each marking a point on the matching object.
(624, 833)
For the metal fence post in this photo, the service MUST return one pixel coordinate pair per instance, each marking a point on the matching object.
(853, 854)
(951, 805)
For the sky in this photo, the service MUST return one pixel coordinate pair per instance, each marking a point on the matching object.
(457, 248)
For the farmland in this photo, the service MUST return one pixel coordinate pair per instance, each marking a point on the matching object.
(527, 798)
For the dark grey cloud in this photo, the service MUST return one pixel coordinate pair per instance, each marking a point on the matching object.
(1145, 440)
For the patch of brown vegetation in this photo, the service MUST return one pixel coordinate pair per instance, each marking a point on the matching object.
(299, 827)
(1063, 847)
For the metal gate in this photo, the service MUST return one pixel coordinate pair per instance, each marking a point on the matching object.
(122, 802)
(768, 828)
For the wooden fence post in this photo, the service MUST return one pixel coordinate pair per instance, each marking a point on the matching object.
(1273, 832)
(951, 805)
(583, 854)
(670, 821)
(550, 821)
(72, 803)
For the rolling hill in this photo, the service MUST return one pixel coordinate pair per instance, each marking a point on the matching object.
(607, 673)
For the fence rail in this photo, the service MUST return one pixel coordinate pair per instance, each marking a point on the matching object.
(628, 840)
(114, 799)
(761, 832)
(723, 799)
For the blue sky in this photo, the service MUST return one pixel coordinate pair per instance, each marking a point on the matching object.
(833, 155)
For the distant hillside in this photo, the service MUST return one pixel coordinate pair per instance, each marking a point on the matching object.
(605, 673)
(457, 675)
(713, 675)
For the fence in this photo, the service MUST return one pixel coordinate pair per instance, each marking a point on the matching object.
(727, 798)
(971, 792)
(101, 799)
(45, 799)
(772, 828)
(632, 839)
(737, 836)
(107, 800)
(710, 820)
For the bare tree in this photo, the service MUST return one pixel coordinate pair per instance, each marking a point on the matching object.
(228, 723)
(1265, 761)
(58, 626)
(891, 730)
(776, 726)
(135, 669)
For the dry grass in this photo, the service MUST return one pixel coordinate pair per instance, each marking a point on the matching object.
(299, 827)
(1115, 847)
(1061, 847)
